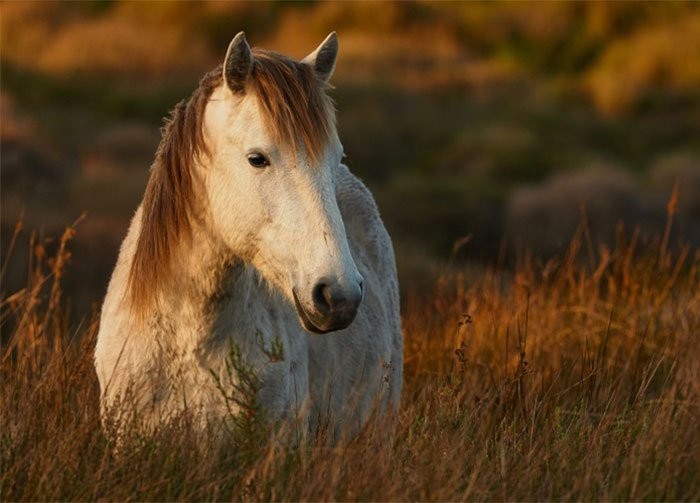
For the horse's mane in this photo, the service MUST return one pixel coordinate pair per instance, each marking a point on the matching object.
(294, 107)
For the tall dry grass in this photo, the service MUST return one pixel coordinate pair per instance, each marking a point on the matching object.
(575, 380)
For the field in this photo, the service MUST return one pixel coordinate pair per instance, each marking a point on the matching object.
(538, 168)
(562, 382)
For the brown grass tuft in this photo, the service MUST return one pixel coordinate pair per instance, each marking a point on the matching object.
(562, 382)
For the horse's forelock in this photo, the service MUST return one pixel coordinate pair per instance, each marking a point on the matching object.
(294, 104)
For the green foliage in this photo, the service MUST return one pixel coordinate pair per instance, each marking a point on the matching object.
(275, 352)
(239, 387)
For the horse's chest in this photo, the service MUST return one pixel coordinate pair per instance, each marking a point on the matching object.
(263, 337)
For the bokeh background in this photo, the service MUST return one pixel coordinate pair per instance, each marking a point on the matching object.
(485, 130)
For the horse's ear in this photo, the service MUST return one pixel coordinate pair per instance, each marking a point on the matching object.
(238, 63)
(323, 58)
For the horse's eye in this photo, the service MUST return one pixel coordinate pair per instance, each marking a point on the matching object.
(258, 160)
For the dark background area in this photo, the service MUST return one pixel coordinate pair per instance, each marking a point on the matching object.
(484, 129)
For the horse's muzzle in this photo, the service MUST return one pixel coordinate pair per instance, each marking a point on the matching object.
(334, 307)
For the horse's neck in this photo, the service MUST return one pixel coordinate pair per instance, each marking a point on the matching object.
(203, 273)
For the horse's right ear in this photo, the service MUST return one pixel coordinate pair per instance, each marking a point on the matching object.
(238, 63)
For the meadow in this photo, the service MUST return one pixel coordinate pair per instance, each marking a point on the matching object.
(538, 168)
(568, 381)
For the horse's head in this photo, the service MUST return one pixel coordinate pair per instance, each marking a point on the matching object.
(275, 153)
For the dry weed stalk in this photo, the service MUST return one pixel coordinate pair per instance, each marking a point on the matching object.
(565, 381)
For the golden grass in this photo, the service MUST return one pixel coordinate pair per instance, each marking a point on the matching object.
(577, 380)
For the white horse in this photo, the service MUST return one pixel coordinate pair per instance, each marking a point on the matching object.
(252, 234)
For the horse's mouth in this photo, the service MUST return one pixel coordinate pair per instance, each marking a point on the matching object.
(306, 320)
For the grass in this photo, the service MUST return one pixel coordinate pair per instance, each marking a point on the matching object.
(573, 380)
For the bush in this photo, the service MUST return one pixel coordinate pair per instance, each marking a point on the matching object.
(543, 218)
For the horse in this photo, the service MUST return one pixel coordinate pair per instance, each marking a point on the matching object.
(253, 234)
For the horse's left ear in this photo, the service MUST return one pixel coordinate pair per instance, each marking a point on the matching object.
(323, 58)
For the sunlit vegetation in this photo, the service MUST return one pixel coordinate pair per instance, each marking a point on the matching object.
(561, 382)
(538, 367)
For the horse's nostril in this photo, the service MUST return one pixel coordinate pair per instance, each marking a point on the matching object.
(330, 298)
(322, 297)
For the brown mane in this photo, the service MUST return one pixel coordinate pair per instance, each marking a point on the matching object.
(294, 103)
(294, 107)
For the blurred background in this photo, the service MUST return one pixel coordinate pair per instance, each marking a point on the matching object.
(485, 130)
